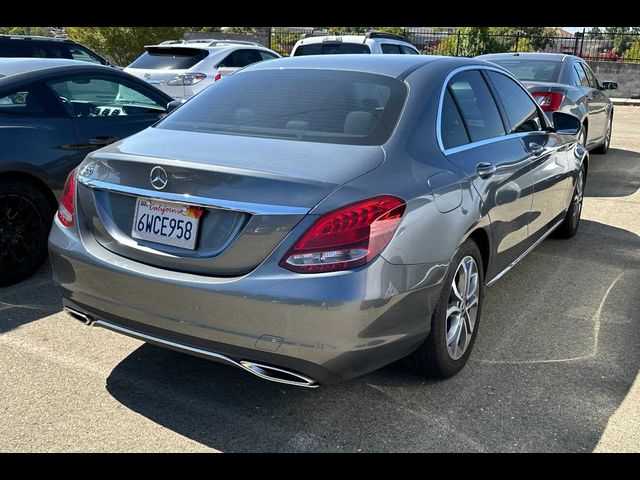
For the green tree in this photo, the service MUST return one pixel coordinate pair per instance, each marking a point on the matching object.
(122, 45)
(240, 30)
(538, 38)
(476, 41)
(44, 31)
(360, 30)
(622, 37)
(633, 53)
(448, 46)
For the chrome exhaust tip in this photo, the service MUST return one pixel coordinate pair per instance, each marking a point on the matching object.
(82, 317)
(278, 375)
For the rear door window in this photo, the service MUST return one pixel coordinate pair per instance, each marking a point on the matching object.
(267, 55)
(476, 103)
(84, 55)
(581, 79)
(169, 58)
(241, 58)
(391, 48)
(409, 50)
(593, 81)
(453, 130)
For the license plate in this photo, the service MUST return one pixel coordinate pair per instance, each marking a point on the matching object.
(168, 223)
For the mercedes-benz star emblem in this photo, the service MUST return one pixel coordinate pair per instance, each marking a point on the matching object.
(158, 177)
(147, 76)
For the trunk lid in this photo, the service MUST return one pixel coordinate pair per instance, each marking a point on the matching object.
(253, 191)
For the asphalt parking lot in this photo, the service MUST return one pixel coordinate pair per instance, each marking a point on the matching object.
(555, 366)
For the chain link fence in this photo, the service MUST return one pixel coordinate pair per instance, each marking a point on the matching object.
(624, 48)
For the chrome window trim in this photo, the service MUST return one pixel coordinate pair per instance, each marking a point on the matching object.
(246, 207)
(486, 141)
(527, 252)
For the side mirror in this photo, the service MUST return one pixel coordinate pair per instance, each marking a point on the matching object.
(566, 124)
(609, 85)
(171, 106)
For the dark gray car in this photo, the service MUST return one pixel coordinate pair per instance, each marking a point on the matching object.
(52, 113)
(311, 219)
(565, 83)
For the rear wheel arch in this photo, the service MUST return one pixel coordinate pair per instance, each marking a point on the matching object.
(36, 182)
(481, 239)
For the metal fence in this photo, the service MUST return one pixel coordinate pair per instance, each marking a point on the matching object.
(623, 48)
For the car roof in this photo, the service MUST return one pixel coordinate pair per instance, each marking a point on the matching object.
(14, 66)
(16, 71)
(559, 57)
(350, 38)
(393, 65)
(38, 38)
(207, 45)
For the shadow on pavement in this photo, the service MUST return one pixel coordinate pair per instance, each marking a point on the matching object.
(556, 354)
(616, 174)
(29, 300)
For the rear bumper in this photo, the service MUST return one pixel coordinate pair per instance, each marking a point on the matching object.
(327, 327)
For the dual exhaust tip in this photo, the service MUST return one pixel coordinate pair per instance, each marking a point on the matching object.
(266, 372)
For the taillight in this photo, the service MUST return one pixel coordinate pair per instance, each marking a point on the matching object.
(217, 77)
(346, 238)
(67, 205)
(186, 79)
(548, 101)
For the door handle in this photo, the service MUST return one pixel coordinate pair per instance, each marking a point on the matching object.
(486, 169)
(535, 148)
(101, 141)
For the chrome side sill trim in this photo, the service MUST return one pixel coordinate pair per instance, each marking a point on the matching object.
(259, 370)
(247, 207)
(515, 262)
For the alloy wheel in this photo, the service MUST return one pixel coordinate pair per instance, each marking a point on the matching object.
(462, 310)
(607, 141)
(577, 198)
(21, 230)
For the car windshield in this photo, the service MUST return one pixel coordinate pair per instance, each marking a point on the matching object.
(169, 58)
(327, 106)
(530, 70)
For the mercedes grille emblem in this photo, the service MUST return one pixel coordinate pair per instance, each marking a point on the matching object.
(159, 178)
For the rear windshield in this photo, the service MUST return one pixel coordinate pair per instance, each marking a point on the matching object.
(325, 106)
(331, 49)
(532, 70)
(167, 58)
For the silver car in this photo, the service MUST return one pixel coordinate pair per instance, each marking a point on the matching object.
(182, 68)
(565, 83)
(315, 218)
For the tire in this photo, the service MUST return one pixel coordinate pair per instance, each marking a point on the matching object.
(25, 220)
(604, 148)
(569, 227)
(438, 357)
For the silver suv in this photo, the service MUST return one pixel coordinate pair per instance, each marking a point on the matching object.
(372, 42)
(182, 68)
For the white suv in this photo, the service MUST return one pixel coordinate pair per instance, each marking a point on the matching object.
(372, 42)
(182, 68)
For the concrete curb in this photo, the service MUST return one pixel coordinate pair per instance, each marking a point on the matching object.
(625, 101)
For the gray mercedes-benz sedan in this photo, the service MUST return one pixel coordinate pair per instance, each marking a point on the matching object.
(565, 83)
(312, 219)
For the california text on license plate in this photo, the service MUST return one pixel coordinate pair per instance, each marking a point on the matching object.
(167, 223)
